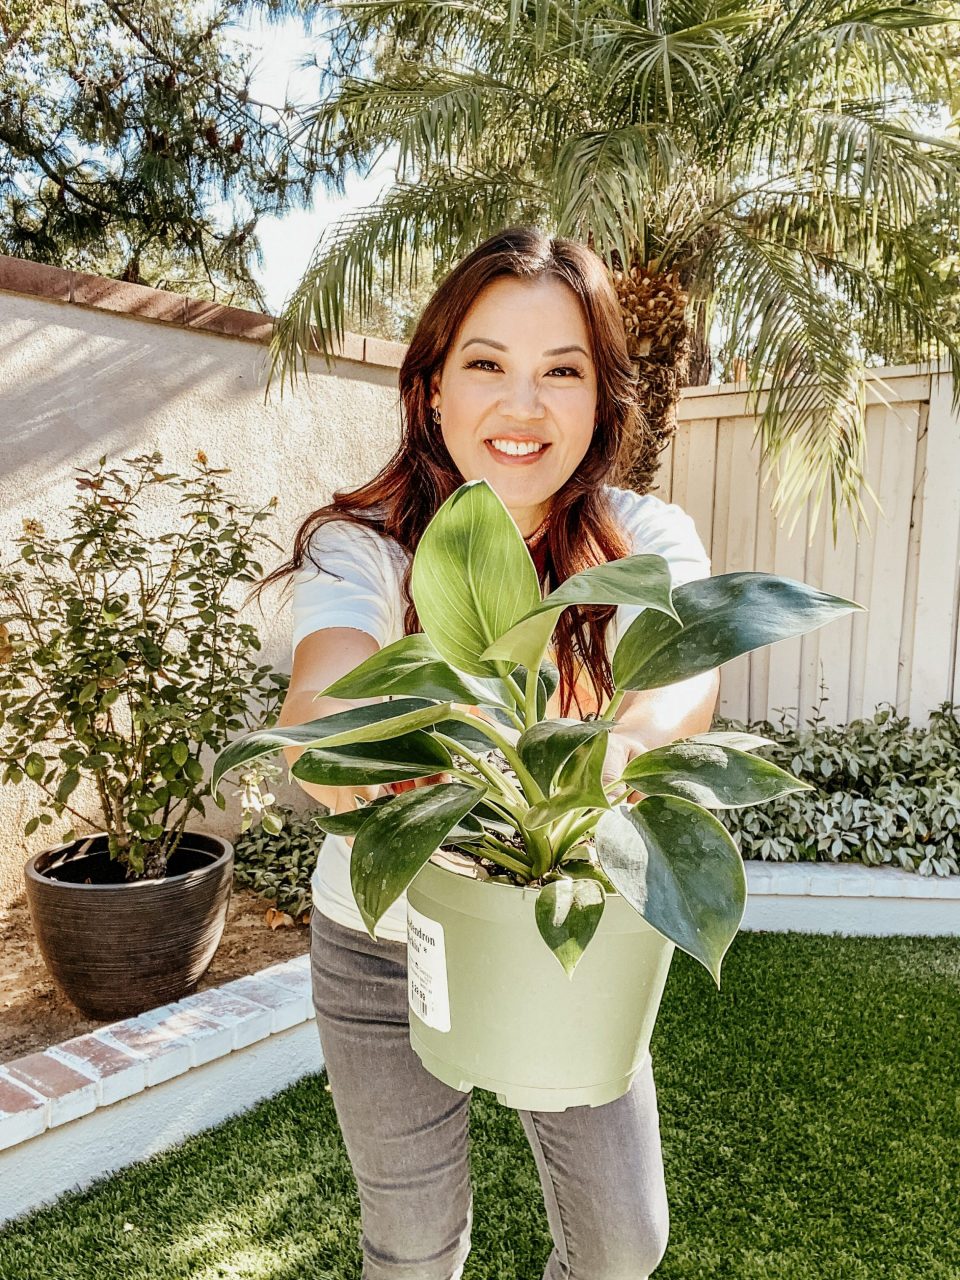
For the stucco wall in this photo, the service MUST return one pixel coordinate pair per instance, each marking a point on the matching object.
(79, 381)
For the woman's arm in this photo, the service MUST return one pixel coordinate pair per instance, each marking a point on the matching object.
(319, 659)
(648, 718)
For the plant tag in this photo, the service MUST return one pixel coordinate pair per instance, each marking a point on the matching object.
(427, 970)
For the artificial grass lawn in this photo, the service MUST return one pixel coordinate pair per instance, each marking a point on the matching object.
(810, 1113)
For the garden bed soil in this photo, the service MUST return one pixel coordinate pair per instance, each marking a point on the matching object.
(34, 1014)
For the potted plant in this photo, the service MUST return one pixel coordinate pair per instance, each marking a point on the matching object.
(540, 975)
(122, 659)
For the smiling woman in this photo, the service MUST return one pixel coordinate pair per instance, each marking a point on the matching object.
(518, 375)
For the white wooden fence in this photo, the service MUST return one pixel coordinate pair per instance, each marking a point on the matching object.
(905, 569)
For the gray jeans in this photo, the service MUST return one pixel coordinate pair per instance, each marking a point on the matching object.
(406, 1134)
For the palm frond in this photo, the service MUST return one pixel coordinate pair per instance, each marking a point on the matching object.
(812, 425)
(453, 212)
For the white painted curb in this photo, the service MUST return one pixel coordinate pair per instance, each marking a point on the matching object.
(843, 898)
(99, 1102)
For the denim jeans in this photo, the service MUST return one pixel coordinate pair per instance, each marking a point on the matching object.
(406, 1135)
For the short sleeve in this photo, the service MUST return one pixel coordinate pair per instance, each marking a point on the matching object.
(655, 527)
(352, 588)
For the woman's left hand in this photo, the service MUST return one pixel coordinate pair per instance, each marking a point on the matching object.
(622, 747)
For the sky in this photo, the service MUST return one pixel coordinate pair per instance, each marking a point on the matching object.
(288, 241)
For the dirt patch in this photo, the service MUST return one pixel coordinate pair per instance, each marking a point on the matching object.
(35, 1014)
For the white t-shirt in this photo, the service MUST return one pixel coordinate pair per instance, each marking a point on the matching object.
(366, 594)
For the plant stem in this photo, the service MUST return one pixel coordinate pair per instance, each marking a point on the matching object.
(531, 788)
(518, 695)
(577, 829)
(493, 775)
(614, 705)
(495, 852)
(530, 703)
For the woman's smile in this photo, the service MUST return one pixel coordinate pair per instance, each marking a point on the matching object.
(521, 458)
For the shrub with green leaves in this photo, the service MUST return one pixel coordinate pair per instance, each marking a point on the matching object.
(278, 865)
(123, 656)
(886, 792)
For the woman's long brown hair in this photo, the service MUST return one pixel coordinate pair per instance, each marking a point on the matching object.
(407, 492)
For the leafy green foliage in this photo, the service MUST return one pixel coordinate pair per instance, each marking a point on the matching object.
(884, 792)
(278, 865)
(130, 144)
(123, 656)
(670, 858)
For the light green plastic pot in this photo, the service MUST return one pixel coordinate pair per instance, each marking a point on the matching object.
(491, 1006)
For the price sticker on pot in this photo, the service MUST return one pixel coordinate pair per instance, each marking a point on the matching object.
(427, 970)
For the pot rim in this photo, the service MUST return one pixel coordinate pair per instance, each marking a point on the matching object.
(31, 873)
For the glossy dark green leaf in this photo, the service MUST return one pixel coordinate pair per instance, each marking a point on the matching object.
(370, 723)
(633, 580)
(413, 755)
(398, 838)
(678, 866)
(578, 784)
(472, 578)
(710, 775)
(544, 747)
(720, 618)
(350, 821)
(567, 912)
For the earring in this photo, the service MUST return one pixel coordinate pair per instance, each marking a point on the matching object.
(435, 414)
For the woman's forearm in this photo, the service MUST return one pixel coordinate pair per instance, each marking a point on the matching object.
(303, 706)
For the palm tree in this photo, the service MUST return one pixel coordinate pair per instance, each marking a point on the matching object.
(767, 163)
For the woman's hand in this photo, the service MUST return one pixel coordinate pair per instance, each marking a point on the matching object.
(395, 788)
(623, 745)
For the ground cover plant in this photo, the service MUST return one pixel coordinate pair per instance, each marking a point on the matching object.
(885, 792)
(810, 1114)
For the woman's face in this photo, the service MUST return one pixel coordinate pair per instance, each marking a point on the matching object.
(520, 369)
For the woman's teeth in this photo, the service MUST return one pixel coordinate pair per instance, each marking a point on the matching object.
(515, 446)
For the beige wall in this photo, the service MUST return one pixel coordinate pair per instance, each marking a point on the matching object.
(76, 383)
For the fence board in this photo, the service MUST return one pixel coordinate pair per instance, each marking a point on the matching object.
(932, 669)
(902, 564)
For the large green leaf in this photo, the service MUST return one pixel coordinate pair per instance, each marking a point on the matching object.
(578, 784)
(373, 722)
(545, 746)
(399, 837)
(567, 912)
(634, 580)
(412, 755)
(348, 823)
(412, 665)
(678, 866)
(472, 578)
(720, 618)
(710, 775)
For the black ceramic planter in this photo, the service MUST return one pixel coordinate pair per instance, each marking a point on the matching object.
(116, 947)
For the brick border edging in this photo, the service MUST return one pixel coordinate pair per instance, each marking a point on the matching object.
(162, 306)
(66, 1081)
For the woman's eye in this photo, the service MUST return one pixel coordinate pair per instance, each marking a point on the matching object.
(566, 370)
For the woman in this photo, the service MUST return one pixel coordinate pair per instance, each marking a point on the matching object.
(518, 373)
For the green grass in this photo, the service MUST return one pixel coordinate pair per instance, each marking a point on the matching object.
(810, 1115)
